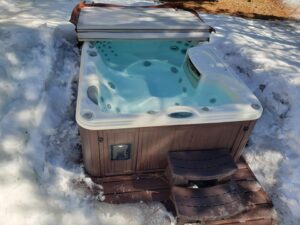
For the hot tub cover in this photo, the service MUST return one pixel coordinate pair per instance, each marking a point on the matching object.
(168, 21)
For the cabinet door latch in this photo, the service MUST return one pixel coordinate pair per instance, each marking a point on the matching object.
(100, 139)
(245, 128)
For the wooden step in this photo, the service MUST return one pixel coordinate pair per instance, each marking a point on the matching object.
(208, 204)
(199, 165)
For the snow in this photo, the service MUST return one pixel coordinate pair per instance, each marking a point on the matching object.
(292, 2)
(41, 175)
(295, 6)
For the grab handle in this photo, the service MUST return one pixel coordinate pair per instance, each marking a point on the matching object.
(180, 115)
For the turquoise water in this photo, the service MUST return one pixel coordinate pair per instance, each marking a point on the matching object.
(148, 76)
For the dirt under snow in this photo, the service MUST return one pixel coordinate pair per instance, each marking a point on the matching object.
(259, 9)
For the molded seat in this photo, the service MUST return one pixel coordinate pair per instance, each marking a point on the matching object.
(199, 165)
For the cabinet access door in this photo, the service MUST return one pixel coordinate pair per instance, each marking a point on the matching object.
(120, 151)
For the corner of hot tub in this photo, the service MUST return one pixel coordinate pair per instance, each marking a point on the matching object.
(88, 87)
(249, 110)
(257, 108)
(214, 69)
(86, 108)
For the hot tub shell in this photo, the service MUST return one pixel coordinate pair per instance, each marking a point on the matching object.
(148, 138)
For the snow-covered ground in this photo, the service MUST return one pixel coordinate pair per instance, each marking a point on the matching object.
(266, 55)
(41, 175)
(295, 6)
(292, 2)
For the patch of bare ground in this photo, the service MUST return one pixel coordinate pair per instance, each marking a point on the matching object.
(259, 9)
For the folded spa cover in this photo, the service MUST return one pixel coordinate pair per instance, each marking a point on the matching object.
(97, 21)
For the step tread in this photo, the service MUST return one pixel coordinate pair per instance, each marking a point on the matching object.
(210, 203)
(199, 165)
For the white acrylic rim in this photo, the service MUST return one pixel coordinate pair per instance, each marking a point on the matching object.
(219, 114)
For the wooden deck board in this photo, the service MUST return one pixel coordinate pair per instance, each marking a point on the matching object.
(260, 213)
(132, 197)
(135, 185)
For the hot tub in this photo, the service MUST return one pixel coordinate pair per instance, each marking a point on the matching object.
(138, 99)
(150, 83)
(129, 84)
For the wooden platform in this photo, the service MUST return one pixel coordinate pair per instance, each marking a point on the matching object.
(155, 187)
